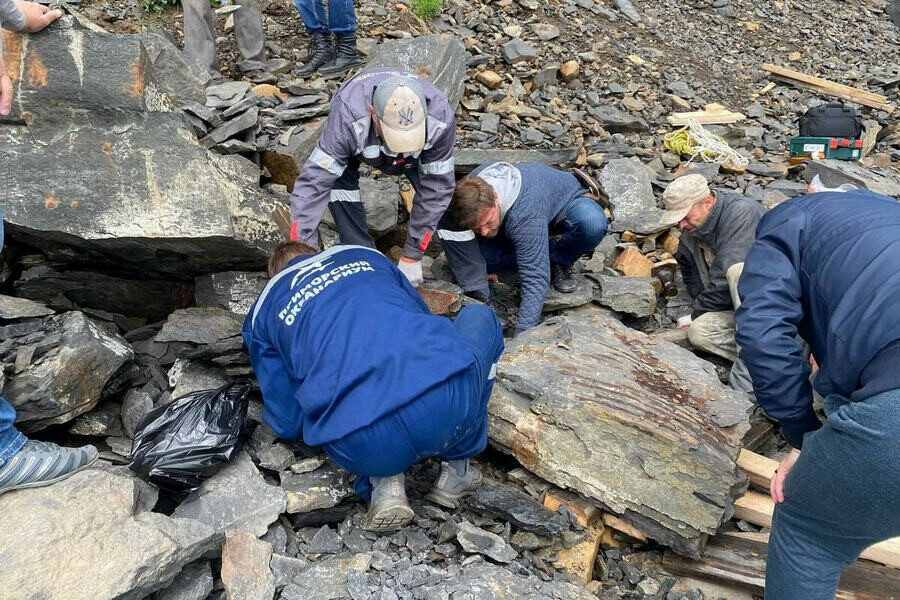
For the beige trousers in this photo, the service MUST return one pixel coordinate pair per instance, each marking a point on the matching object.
(713, 332)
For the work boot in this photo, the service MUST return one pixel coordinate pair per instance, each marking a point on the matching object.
(322, 52)
(40, 463)
(561, 278)
(389, 509)
(457, 479)
(347, 55)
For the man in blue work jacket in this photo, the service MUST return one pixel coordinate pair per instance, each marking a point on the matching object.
(827, 266)
(348, 357)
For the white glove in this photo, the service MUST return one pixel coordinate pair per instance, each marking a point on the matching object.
(412, 271)
(684, 322)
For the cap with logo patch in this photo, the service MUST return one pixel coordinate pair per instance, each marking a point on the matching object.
(399, 104)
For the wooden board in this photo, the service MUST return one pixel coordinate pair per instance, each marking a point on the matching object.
(579, 559)
(740, 559)
(712, 114)
(758, 468)
(829, 88)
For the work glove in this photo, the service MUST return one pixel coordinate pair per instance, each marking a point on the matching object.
(684, 322)
(412, 269)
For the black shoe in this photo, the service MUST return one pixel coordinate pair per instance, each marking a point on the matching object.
(322, 52)
(347, 55)
(561, 278)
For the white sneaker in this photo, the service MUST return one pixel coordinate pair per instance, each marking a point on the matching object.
(389, 509)
(456, 480)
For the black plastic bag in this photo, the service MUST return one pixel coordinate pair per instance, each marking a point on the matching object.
(178, 445)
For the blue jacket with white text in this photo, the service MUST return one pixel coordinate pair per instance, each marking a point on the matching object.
(340, 339)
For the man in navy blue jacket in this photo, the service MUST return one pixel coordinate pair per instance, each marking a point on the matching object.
(348, 357)
(827, 266)
(514, 210)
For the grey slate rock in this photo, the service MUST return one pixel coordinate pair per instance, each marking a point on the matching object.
(326, 541)
(240, 107)
(627, 182)
(187, 376)
(235, 497)
(194, 582)
(616, 120)
(135, 405)
(79, 358)
(21, 308)
(231, 128)
(226, 94)
(358, 585)
(834, 172)
(765, 170)
(516, 51)
(557, 300)
(204, 113)
(286, 568)
(100, 422)
(323, 488)
(485, 581)
(627, 9)
(417, 541)
(199, 325)
(632, 295)
(326, 579)
(489, 123)
(441, 57)
(232, 290)
(680, 88)
(98, 518)
(276, 457)
(476, 540)
(521, 510)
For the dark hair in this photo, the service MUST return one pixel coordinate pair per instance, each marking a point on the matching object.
(285, 252)
(473, 195)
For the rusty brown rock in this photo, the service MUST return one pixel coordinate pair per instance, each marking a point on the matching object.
(639, 426)
(245, 567)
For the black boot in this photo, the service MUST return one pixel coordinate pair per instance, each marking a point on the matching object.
(322, 52)
(347, 55)
(562, 279)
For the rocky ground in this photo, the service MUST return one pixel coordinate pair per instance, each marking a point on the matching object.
(125, 286)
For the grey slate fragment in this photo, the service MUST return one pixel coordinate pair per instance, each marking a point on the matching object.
(194, 582)
(204, 113)
(521, 510)
(231, 128)
(632, 295)
(235, 497)
(225, 94)
(21, 308)
(326, 541)
(239, 107)
(516, 51)
(627, 182)
(627, 9)
(199, 325)
(474, 539)
(616, 120)
(557, 300)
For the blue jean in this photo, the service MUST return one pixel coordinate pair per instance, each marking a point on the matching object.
(579, 232)
(11, 441)
(341, 18)
(450, 421)
(841, 496)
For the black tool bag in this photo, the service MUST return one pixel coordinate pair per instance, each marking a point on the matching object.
(831, 120)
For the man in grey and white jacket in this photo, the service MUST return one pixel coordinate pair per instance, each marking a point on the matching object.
(27, 17)
(398, 123)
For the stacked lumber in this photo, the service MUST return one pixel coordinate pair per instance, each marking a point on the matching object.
(739, 558)
(712, 114)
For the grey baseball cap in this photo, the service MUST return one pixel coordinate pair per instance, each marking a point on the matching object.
(399, 104)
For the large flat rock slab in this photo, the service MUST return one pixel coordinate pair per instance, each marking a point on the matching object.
(97, 160)
(440, 58)
(642, 427)
(92, 537)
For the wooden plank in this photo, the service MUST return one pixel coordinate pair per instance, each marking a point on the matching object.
(579, 559)
(758, 509)
(740, 559)
(823, 83)
(755, 508)
(829, 88)
(759, 432)
(712, 114)
(614, 522)
(758, 468)
(585, 512)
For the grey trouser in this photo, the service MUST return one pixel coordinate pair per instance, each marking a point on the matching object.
(714, 333)
(200, 37)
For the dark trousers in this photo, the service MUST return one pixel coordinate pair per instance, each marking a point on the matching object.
(842, 496)
(450, 421)
(340, 19)
(346, 204)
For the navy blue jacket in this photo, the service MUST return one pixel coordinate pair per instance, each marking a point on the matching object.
(826, 266)
(340, 339)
